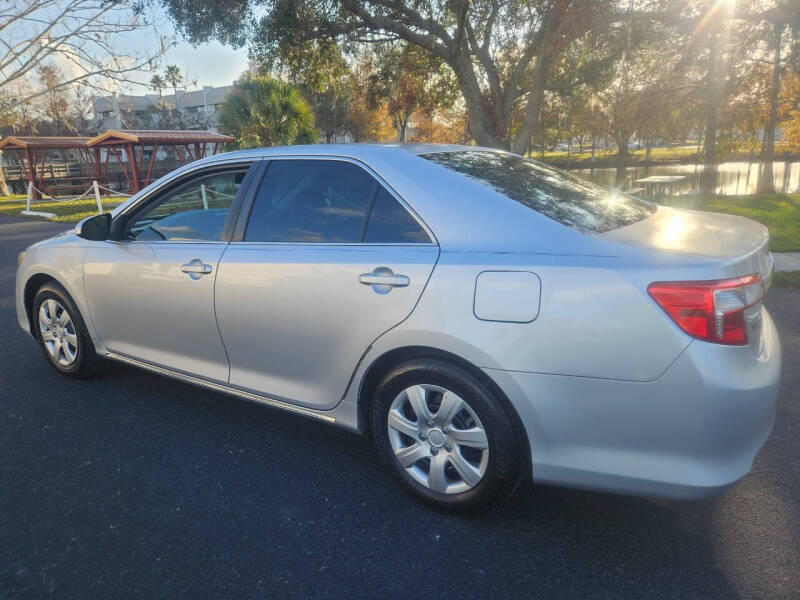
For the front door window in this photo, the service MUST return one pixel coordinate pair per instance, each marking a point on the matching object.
(195, 211)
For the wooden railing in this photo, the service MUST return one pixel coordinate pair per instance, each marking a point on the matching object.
(67, 176)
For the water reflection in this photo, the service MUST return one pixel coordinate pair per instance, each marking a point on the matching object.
(735, 178)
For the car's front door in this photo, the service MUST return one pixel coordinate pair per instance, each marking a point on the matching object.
(329, 260)
(151, 294)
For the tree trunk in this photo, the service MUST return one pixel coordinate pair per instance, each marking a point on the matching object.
(3, 184)
(533, 110)
(402, 126)
(622, 157)
(569, 131)
(766, 179)
(708, 179)
(480, 118)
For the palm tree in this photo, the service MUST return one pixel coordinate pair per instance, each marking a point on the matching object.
(174, 78)
(262, 111)
(157, 83)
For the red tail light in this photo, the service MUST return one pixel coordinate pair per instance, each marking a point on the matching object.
(710, 310)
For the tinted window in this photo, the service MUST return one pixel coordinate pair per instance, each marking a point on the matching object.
(194, 211)
(390, 223)
(563, 197)
(311, 201)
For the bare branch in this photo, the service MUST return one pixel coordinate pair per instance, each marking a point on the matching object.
(80, 33)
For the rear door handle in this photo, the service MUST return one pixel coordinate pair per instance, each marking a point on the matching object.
(196, 268)
(383, 279)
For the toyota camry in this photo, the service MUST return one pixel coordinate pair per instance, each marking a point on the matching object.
(481, 316)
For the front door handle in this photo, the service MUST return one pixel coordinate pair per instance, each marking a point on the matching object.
(196, 268)
(383, 279)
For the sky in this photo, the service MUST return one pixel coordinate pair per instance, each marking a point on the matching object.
(209, 64)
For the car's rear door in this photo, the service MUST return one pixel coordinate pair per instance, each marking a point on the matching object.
(325, 261)
(151, 294)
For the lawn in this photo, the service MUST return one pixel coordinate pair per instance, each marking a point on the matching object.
(779, 212)
(67, 212)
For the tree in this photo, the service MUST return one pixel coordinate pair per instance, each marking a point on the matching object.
(55, 103)
(79, 35)
(321, 73)
(500, 53)
(790, 110)
(713, 93)
(721, 41)
(407, 80)
(636, 101)
(583, 69)
(782, 21)
(442, 126)
(262, 111)
(174, 77)
(157, 83)
(364, 121)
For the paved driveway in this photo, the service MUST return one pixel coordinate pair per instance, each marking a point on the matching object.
(134, 486)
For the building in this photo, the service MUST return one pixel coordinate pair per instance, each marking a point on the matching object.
(196, 109)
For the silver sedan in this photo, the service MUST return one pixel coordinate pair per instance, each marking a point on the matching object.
(482, 316)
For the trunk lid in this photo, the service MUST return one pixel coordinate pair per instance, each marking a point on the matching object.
(742, 242)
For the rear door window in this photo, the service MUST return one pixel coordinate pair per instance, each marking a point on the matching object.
(565, 198)
(311, 201)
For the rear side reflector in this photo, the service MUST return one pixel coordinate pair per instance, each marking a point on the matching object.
(713, 311)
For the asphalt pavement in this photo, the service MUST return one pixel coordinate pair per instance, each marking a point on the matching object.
(130, 485)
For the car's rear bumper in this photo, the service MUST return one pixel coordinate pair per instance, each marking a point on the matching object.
(691, 433)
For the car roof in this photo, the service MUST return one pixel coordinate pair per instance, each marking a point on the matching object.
(358, 151)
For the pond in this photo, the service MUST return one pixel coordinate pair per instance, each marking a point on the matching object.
(735, 178)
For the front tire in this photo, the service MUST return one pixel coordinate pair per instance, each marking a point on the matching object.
(62, 334)
(445, 436)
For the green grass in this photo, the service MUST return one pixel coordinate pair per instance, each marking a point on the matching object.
(661, 154)
(787, 279)
(779, 212)
(67, 212)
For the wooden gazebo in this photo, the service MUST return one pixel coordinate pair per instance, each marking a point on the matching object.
(33, 153)
(188, 145)
(134, 151)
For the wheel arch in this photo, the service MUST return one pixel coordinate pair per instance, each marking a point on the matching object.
(32, 285)
(390, 359)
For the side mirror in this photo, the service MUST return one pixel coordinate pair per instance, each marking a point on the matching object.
(94, 228)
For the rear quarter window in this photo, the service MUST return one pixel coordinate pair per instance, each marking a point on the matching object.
(390, 223)
(565, 198)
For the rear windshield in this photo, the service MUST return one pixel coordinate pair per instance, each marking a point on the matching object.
(565, 198)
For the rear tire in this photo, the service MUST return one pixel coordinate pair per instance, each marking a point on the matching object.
(445, 436)
(62, 334)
